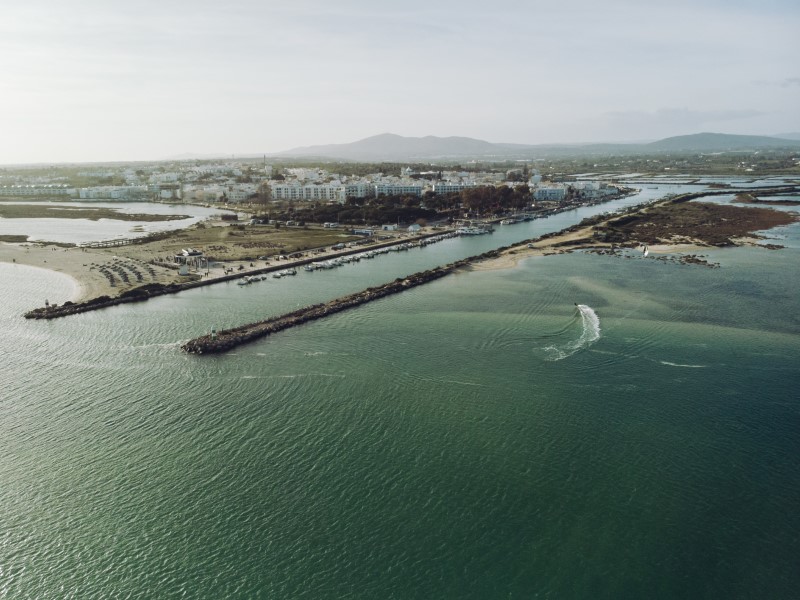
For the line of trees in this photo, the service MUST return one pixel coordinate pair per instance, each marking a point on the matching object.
(483, 200)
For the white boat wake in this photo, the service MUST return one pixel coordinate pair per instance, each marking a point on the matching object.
(672, 364)
(590, 323)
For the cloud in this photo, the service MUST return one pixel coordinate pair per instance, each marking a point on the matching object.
(790, 82)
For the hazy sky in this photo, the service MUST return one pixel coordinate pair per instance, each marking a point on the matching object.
(97, 80)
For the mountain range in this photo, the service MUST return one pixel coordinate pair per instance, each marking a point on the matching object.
(389, 146)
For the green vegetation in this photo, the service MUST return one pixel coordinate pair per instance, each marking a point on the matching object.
(713, 224)
(403, 209)
(239, 242)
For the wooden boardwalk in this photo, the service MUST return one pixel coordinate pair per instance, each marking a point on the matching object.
(112, 243)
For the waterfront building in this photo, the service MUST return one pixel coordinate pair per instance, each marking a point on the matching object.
(111, 192)
(552, 193)
(36, 190)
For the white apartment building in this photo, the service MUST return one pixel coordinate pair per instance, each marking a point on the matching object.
(294, 190)
(339, 192)
(290, 190)
(553, 193)
(329, 191)
(447, 187)
(398, 189)
(358, 189)
(36, 190)
(594, 189)
(110, 192)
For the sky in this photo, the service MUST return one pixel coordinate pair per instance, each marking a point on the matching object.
(106, 80)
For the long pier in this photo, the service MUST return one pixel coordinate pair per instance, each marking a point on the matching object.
(230, 338)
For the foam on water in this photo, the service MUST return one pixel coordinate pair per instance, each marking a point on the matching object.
(590, 333)
(672, 364)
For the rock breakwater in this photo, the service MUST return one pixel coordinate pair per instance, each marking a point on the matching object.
(230, 338)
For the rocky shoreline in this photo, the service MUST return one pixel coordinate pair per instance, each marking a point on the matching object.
(228, 339)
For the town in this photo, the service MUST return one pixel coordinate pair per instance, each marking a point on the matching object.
(352, 194)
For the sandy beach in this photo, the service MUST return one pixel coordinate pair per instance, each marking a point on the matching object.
(86, 267)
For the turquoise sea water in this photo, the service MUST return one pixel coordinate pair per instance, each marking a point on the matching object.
(478, 437)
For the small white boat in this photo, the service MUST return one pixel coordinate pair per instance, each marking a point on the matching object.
(472, 231)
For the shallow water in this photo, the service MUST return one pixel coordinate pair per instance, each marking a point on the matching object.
(78, 231)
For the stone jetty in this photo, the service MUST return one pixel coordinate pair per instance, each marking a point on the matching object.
(228, 339)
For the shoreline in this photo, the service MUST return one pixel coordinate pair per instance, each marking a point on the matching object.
(81, 264)
(93, 288)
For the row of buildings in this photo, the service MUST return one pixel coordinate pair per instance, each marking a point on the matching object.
(100, 192)
(236, 184)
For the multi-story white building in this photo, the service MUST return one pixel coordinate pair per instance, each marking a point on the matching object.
(329, 191)
(594, 189)
(294, 190)
(358, 189)
(398, 189)
(111, 192)
(553, 193)
(447, 187)
(36, 190)
(290, 190)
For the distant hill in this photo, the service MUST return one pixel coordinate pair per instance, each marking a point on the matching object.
(389, 146)
(718, 142)
(788, 136)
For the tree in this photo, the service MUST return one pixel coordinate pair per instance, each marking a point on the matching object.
(264, 196)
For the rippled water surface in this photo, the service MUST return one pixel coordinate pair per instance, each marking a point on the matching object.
(579, 426)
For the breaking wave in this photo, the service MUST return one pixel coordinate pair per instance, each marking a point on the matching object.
(590, 333)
